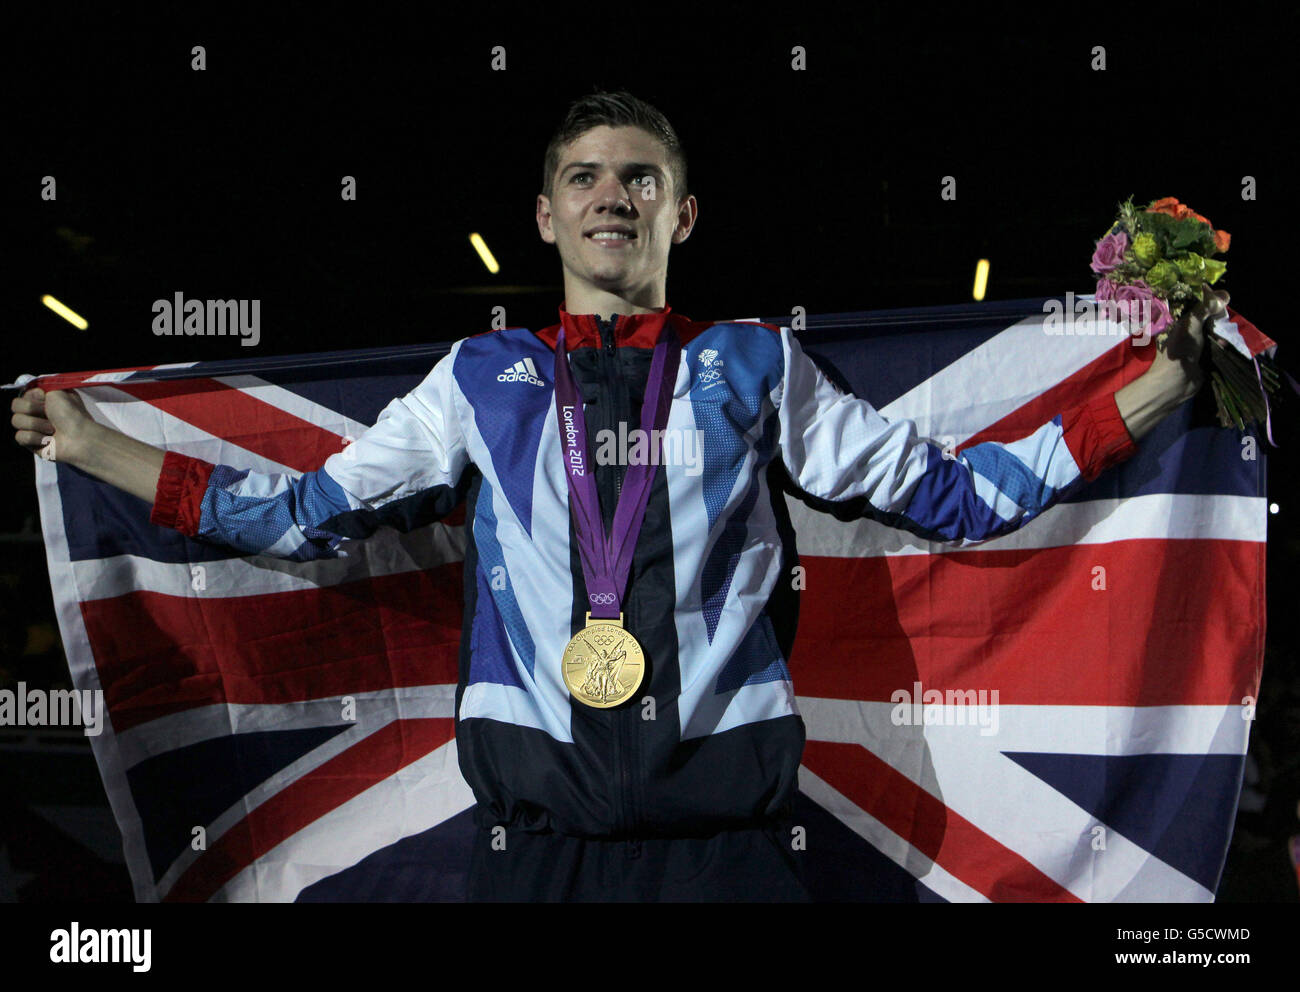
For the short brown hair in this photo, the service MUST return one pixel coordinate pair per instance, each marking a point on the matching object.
(619, 109)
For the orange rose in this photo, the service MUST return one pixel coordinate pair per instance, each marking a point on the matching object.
(1178, 211)
(1221, 240)
(1169, 206)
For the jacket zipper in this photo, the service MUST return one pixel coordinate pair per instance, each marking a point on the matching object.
(623, 735)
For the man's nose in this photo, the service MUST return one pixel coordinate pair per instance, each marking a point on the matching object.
(614, 197)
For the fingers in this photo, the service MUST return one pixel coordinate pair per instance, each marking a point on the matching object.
(33, 440)
(23, 421)
(1214, 304)
(31, 403)
(1208, 309)
(1220, 305)
(31, 429)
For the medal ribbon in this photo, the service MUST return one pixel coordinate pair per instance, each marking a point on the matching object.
(607, 560)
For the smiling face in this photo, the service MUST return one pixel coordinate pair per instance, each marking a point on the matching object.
(613, 215)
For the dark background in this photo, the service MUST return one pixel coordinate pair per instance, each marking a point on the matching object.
(817, 188)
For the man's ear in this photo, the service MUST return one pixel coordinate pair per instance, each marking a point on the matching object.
(687, 213)
(544, 218)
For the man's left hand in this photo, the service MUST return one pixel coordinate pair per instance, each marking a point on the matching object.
(1178, 358)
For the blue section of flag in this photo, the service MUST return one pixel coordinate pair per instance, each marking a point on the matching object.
(101, 521)
(361, 397)
(1178, 459)
(840, 866)
(1172, 805)
(191, 786)
(882, 354)
(431, 866)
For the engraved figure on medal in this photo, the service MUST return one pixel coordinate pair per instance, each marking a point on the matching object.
(603, 665)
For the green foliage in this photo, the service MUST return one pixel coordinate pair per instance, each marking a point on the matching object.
(1178, 236)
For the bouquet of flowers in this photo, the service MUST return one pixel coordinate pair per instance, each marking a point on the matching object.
(1153, 266)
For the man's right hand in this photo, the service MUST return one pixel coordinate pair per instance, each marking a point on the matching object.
(46, 422)
(56, 426)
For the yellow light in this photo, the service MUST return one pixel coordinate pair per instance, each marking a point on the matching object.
(981, 278)
(75, 319)
(481, 247)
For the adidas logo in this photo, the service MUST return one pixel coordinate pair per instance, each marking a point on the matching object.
(521, 371)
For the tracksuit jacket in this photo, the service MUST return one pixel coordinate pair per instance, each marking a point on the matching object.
(709, 596)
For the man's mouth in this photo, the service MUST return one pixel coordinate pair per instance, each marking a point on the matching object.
(611, 235)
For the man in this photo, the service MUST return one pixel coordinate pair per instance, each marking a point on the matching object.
(624, 712)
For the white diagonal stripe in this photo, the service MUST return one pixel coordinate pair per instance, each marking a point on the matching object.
(1160, 516)
(973, 392)
(289, 402)
(386, 552)
(124, 413)
(417, 798)
(203, 723)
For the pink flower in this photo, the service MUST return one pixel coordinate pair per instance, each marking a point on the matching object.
(1137, 290)
(1105, 290)
(1110, 252)
(1145, 313)
(1162, 318)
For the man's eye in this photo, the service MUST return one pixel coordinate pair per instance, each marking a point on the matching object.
(580, 175)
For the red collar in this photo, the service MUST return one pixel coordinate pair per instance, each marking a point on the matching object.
(637, 330)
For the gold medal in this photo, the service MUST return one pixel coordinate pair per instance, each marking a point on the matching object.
(603, 664)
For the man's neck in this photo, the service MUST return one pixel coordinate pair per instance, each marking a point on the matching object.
(587, 299)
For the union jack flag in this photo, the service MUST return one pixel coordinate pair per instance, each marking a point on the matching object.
(1059, 714)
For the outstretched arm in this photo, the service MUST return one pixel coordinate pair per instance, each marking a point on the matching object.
(404, 472)
(843, 453)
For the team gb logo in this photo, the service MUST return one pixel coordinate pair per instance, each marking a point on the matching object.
(710, 366)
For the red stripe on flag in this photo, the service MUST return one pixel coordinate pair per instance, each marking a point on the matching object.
(343, 777)
(242, 419)
(1106, 373)
(1166, 630)
(158, 654)
(951, 841)
(75, 380)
